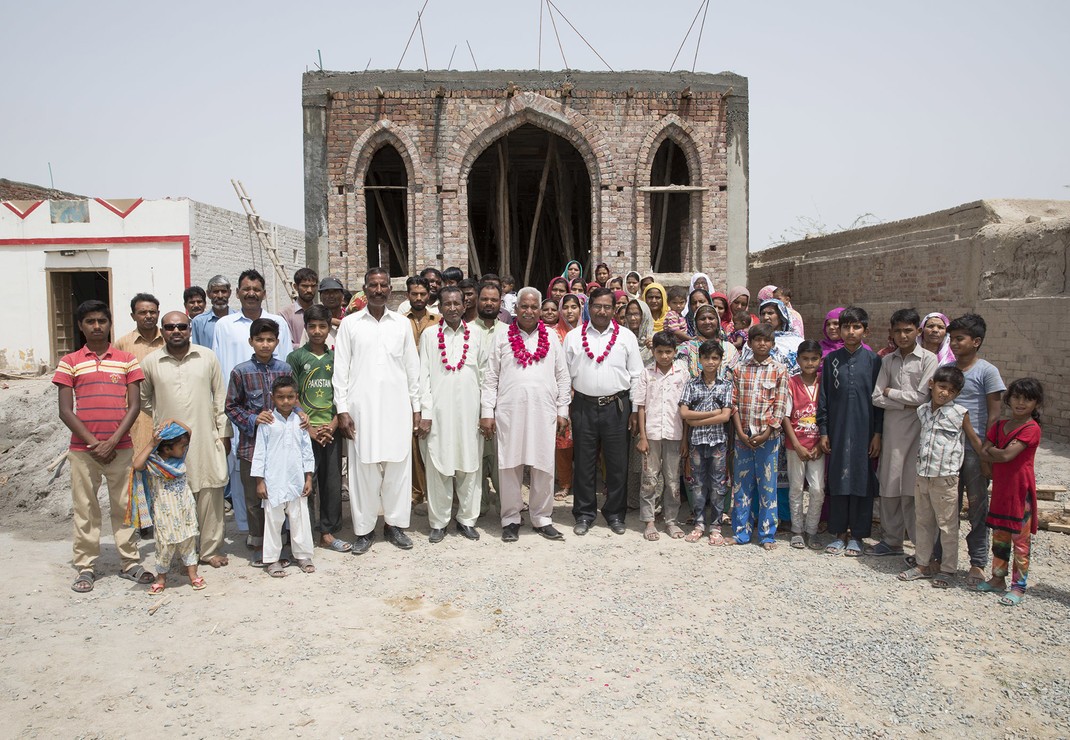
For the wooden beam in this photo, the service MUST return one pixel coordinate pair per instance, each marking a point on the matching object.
(664, 208)
(473, 254)
(564, 207)
(503, 207)
(391, 235)
(538, 207)
(386, 187)
(672, 189)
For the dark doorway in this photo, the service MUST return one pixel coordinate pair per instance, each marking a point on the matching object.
(529, 207)
(670, 212)
(386, 198)
(67, 289)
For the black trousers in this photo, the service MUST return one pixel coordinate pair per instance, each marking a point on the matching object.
(854, 513)
(595, 427)
(328, 482)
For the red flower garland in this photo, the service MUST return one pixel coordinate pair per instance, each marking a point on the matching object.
(612, 340)
(442, 346)
(520, 352)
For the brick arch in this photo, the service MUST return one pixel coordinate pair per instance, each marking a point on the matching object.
(682, 134)
(382, 133)
(368, 143)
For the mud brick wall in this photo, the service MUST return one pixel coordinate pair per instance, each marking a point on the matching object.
(1003, 259)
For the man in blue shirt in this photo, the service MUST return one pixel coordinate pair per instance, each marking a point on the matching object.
(203, 325)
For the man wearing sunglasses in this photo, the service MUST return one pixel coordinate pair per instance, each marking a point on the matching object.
(183, 381)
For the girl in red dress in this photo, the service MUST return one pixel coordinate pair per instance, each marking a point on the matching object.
(1011, 444)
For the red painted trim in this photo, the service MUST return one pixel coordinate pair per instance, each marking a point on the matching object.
(116, 211)
(22, 214)
(181, 239)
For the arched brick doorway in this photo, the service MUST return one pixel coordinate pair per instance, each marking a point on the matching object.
(670, 223)
(529, 207)
(386, 201)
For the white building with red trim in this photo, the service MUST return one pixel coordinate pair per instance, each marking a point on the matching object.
(54, 254)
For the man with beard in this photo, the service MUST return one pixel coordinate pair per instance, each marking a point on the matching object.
(204, 325)
(488, 302)
(434, 284)
(452, 359)
(421, 319)
(377, 394)
(183, 381)
(605, 365)
(525, 401)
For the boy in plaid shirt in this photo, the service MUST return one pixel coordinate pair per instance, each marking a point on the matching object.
(761, 396)
(705, 406)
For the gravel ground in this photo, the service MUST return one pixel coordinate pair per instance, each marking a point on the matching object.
(596, 636)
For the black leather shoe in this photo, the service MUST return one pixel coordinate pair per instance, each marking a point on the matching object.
(467, 532)
(437, 535)
(510, 533)
(549, 532)
(363, 543)
(581, 527)
(617, 526)
(397, 537)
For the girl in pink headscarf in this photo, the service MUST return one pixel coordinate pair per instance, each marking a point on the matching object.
(832, 341)
(766, 293)
(738, 300)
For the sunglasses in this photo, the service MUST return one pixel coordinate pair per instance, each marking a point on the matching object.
(175, 327)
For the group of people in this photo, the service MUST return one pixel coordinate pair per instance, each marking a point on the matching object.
(469, 388)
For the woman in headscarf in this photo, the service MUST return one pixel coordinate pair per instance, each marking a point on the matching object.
(601, 274)
(577, 286)
(766, 293)
(631, 283)
(720, 302)
(557, 288)
(658, 301)
(573, 270)
(785, 342)
(569, 312)
(620, 304)
(699, 281)
(934, 338)
(616, 283)
(592, 286)
(637, 318)
(707, 327)
(831, 330)
(739, 300)
(645, 281)
(696, 298)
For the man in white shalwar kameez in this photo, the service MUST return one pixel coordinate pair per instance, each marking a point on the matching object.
(525, 402)
(453, 356)
(377, 393)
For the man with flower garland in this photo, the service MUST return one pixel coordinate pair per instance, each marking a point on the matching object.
(525, 402)
(452, 358)
(605, 366)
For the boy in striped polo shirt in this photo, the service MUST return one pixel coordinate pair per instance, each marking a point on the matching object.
(99, 399)
(936, 496)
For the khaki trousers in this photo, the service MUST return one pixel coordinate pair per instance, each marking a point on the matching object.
(936, 510)
(210, 521)
(540, 496)
(86, 476)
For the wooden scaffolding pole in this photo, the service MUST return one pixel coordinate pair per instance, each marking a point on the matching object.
(538, 207)
(504, 241)
(664, 208)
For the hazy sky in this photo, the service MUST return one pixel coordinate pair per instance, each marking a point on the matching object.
(894, 109)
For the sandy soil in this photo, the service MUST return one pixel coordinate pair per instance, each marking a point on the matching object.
(597, 636)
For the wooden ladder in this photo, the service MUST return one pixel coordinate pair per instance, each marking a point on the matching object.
(267, 243)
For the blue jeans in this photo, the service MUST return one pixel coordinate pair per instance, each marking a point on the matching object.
(705, 487)
(755, 471)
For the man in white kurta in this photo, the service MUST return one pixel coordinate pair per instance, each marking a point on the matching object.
(377, 394)
(526, 404)
(452, 358)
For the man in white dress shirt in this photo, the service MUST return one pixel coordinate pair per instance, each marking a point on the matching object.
(525, 402)
(377, 393)
(604, 362)
(453, 356)
(230, 343)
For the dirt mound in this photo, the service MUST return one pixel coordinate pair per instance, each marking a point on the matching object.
(31, 438)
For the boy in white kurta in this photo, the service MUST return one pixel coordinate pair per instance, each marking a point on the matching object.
(452, 358)
(282, 469)
(526, 393)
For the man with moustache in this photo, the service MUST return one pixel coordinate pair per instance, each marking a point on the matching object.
(203, 325)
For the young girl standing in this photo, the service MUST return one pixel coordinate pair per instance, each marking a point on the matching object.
(160, 477)
(1011, 444)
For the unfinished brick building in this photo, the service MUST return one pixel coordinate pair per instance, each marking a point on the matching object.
(519, 171)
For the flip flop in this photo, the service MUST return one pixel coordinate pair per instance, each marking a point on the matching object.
(882, 550)
(914, 574)
(137, 574)
(836, 547)
(339, 545)
(696, 534)
(716, 540)
(155, 588)
(1012, 598)
(86, 577)
(651, 535)
(854, 549)
(987, 588)
(198, 583)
